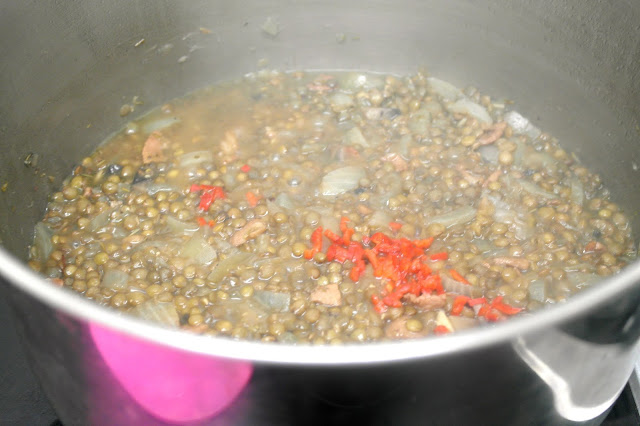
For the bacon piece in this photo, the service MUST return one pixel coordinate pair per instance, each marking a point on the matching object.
(427, 301)
(153, 149)
(491, 135)
(327, 295)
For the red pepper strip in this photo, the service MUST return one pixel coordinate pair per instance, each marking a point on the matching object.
(252, 199)
(196, 188)
(346, 231)
(316, 243)
(372, 258)
(493, 316)
(331, 252)
(439, 256)
(458, 304)
(378, 305)
(343, 223)
(206, 199)
(332, 236)
(393, 300)
(316, 239)
(339, 254)
(484, 310)
(379, 237)
(209, 195)
(503, 307)
(456, 276)
(432, 283)
(346, 235)
(478, 301)
(212, 223)
(245, 168)
(424, 244)
(202, 221)
(356, 271)
(441, 329)
(395, 226)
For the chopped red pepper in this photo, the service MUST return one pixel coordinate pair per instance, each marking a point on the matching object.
(498, 305)
(245, 168)
(378, 305)
(395, 226)
(493, 316)
(206, 199)
(439, 256)
(424, 244)
(316, 244)
(478, 301)
(202, 221)
(484, 310)
(398, 261)
(458, 304)
(332, 236)
(252, 199)
(210, 193)
(441, 329)
(456, 276)
(346, 231)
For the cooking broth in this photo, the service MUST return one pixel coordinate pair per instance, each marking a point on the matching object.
(331, 208)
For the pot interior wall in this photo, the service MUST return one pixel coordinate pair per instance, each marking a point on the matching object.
(67, 67)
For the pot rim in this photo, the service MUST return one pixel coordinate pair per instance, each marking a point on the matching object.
(69, 302)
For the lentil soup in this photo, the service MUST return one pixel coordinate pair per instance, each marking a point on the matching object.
(330, 208)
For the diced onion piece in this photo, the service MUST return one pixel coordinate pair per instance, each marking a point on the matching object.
(445, 89)
(467, 106)
(224, 267)
(283, 200)
(379, 219)
(577, 190)
(330, 222)
(534, 189)
(152, 188)
(100, 220)
(537, 291)
(115, 279)
(42, 242)
(355, 137)
(158, 312)
(341, 180)
(198, 250)
(275, 301)
(582, 279)
(443, 320)
(463, 323)
(521, 125)
(459, 216)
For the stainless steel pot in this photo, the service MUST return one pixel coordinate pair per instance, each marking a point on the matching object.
(572, 67)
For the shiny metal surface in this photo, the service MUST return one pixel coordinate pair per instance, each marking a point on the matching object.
(573, 68)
